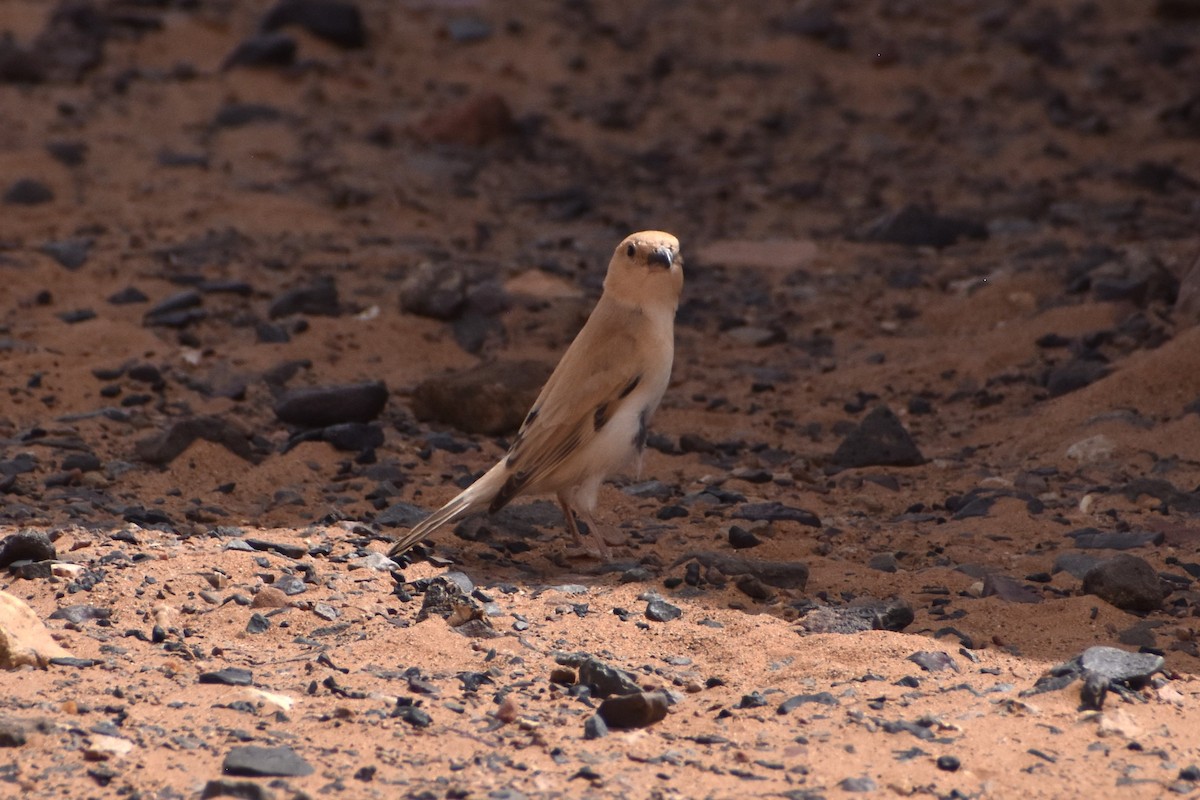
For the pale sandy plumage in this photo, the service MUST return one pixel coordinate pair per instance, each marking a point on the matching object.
(591, 416)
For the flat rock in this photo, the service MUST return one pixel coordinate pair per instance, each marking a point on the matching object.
(229, 676)
(777, 512)
(861, 614)
(915, 226)
(265, 762)
(492, 399)
(1009, 590)
(1121, 666)
(320, 407)
(24, 640)
(879, 440)
(1096, 539)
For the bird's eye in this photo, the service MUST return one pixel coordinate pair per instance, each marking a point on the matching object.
(630, 250)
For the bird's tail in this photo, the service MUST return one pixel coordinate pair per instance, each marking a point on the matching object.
(475, 497)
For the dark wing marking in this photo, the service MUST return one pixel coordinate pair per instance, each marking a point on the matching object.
(629, 387)
(639, 438)
(600, 417)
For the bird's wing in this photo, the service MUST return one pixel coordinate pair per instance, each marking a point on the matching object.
(598, 372)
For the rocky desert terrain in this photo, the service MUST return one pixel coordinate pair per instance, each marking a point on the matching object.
(919, 515)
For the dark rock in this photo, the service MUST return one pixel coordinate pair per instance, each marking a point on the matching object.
(884, 562)
(400, 515)
(290, 585)
(163, 448)
(237, 115)
(266, 333)
(1132, 669)
(84, 462)
(265, 762)
(1127, 582)
(257, 623)
(12, 733)
(128, 296)
(79, 614)
(662, 611)
(1074, 375)
(242, 790)
(337, 22)
(879, 440)
(31, 570)
(594, 727)
(263, 50)
(861, 614)
(320, 407)
(229, 676)
(318, 299)
(465, 30)
(753, 588)
(77, 315)
(1094, 539)
(780, 574)
(863, 784)
(28, 192)
(174, 159)
(492, 399)
(792, 703)
(26, 545)
(413, 715)
(1174, 499)
(634, 710)
(933, 661)
(742, 539)
(816, 21)
(293, 551)
(777, 512)
(605, 680)
(920, 227)
(67, 153)
(18, 465)
(434, 290)
(1009, 590)
(71, 254)
(354, 437)
(948, 763)
(180, 301)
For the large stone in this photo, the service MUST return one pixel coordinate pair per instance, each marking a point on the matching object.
(24, 640)
(492, 399)
(320, 407)
(1127, 582)
(879, 440)
(265, 762)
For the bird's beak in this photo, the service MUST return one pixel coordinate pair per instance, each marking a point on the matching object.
(662, 256)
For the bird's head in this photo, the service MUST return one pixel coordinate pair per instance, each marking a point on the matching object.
(646, 270)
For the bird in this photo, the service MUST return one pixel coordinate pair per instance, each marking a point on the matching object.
(591, 418)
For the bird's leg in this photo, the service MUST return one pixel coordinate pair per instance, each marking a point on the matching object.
(601, 547)
(570, 517)
(597, 535)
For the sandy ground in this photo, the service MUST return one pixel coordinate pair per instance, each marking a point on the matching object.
(1030, 320)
